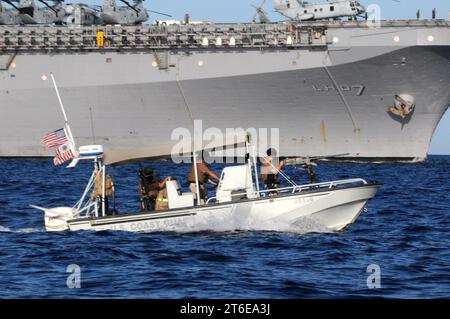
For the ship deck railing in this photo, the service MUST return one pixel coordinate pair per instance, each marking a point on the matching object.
(191, 36)
(160, 37)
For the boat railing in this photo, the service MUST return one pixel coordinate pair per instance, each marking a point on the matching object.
(87, 209)
(331, 184)
(300, 188)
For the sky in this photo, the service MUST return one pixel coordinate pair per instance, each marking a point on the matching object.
(241, 10)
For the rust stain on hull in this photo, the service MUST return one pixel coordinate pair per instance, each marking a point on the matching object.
(323, 132)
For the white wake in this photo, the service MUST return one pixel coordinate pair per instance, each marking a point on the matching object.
(21, 230)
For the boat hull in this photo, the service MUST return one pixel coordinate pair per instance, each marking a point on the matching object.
(329, 210)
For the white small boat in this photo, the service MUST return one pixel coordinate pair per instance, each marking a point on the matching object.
(334, 204)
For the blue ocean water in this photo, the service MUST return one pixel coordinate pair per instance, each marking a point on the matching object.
(405, 232)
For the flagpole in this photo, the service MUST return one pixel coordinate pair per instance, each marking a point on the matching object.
(59, 98)
(69, 131)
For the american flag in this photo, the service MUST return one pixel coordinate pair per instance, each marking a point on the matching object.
(59, 140)
(55, 139)
(63, 154)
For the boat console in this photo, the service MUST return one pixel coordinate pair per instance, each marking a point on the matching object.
(176, 198)
(236, 180)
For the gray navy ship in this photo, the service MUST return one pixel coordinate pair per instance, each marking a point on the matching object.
(330, 86)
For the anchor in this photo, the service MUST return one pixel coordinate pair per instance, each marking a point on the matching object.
(404, 106)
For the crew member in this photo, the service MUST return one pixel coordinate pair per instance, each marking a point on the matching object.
(150, 187)
(205, 175)
(270, 168)
(97, 192)
(186, 19)
(162, 200)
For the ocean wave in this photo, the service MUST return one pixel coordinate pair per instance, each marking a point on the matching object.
(404, 232)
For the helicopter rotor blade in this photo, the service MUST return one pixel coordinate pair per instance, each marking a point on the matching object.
(90, 9)
(260, 12)
(130, 6)
(163, 14)
(11, 4)
(48, 6)
(96, 8)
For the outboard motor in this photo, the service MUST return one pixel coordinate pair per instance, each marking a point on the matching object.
(56, 218)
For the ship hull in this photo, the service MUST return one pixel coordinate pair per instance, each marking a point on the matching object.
(323, 101)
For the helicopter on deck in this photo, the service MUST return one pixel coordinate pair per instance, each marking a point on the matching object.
(28, 12)
(129, 14)
(81, 14)
(9, 16)
(301, 10)
(260, 13)
(31, 13)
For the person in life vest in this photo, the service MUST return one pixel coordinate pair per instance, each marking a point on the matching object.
(98, 190)
(270, 169)
(162, 201)
(150, 187)
(205, 175)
